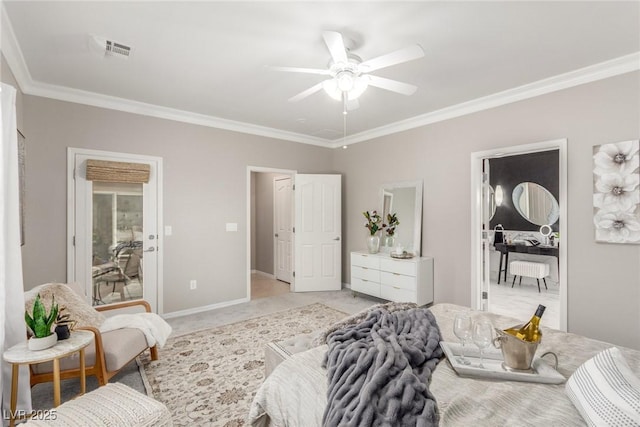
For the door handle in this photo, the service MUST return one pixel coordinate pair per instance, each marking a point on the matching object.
(151, 249)
(337, 238)
(276, 234)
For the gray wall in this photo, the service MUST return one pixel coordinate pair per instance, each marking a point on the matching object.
(264, 222)
(205, 174)
(604, 279)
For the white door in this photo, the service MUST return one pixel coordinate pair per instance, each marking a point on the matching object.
(283, 219)
(114, 243)
(318, 233)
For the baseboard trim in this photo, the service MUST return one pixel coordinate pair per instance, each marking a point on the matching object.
(195, 310)
(346, 285)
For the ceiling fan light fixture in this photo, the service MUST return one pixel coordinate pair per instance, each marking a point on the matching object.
(332, 89)
(351, 86)
(345, 81)
(360, 84)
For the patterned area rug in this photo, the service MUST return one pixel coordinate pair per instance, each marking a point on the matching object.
(209, 378)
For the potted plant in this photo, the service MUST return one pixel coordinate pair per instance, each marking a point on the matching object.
(64, 324)
(392, 223)
(373, 224)
(40, 324)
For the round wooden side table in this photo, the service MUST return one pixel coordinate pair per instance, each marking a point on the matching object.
(20, 354)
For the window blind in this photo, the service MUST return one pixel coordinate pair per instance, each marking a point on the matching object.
(107, 171)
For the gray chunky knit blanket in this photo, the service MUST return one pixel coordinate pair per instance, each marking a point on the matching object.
(379, 370)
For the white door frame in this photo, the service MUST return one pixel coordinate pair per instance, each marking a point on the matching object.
(251, 169)
(476, 216)
(71, 211)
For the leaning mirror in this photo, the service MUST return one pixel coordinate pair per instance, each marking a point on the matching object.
(535, 203)
(405, 200)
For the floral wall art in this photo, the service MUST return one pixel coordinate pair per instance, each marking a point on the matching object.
(616, 192)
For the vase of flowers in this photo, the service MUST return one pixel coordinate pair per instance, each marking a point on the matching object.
(373, 224)
(392, 223)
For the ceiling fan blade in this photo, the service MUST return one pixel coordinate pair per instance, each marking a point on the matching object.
(403, 55)
(336, 46)
(300, 70)
(306, 93)
(392, 85)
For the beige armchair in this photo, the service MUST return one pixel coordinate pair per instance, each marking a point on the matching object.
(109, 352)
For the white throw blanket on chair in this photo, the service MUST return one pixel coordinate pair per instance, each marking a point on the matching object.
(154, 327)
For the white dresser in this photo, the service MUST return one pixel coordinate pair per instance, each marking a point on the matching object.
(400, 280)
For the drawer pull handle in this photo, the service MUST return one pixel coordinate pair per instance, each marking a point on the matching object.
(364, 280)
(394, 287)
(396, 274)
(364, 268)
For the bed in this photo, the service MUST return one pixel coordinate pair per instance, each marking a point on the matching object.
(294, 393)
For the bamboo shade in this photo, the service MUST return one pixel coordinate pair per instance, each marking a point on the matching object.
(106, 171)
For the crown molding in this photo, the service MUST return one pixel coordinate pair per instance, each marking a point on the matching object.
(12, 53)
(135, 107)
(614, 67)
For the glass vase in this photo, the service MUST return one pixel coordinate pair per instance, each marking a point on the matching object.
(373, 244)
(389, 241)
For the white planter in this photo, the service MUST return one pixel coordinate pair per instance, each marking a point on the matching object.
(36, 344)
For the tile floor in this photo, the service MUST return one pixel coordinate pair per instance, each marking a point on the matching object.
(263, 286)
(521, 301)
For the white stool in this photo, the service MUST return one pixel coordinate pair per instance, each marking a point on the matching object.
(536, 270)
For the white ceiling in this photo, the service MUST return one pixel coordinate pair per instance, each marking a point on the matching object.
(205, 62)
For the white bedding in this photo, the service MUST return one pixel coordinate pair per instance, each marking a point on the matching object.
(295, 393)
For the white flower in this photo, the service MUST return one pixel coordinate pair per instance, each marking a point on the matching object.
(617, 192)
(621, 157)
(617, 227)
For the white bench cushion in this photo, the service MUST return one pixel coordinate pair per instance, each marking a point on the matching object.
(537, 270)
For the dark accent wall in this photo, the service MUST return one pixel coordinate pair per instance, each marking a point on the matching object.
(540, 168)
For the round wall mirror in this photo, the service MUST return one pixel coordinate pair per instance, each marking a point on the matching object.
(535, 203)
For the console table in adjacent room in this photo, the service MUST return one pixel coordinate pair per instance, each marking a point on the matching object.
(505, 248)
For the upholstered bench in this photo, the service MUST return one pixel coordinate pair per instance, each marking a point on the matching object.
(536, 270)
(277, 352)
(114, 404)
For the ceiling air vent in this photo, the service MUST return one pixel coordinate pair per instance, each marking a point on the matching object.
(114, 48)
(106, 47)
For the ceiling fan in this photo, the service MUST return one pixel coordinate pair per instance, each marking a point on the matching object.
(349, 75)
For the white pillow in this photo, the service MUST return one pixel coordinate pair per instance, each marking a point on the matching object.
(605, 391)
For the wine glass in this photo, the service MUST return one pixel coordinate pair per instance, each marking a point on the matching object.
(482, 336)
(462, 330)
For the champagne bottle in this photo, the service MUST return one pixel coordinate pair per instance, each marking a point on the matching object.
(530, 331)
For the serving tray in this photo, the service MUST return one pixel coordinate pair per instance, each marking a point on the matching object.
(541, 371)
(404, 255)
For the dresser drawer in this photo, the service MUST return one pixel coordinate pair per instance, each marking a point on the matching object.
(365, 273)
(398, 280)
(364, 260)
(397, 294)
(365, 286)
(408, 268)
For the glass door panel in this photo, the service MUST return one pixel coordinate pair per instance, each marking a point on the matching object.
(117, 242)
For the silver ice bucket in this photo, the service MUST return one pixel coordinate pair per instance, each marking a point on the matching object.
(517, 354)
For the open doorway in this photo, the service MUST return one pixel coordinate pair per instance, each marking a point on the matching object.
(271, 232)
(516, 191)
